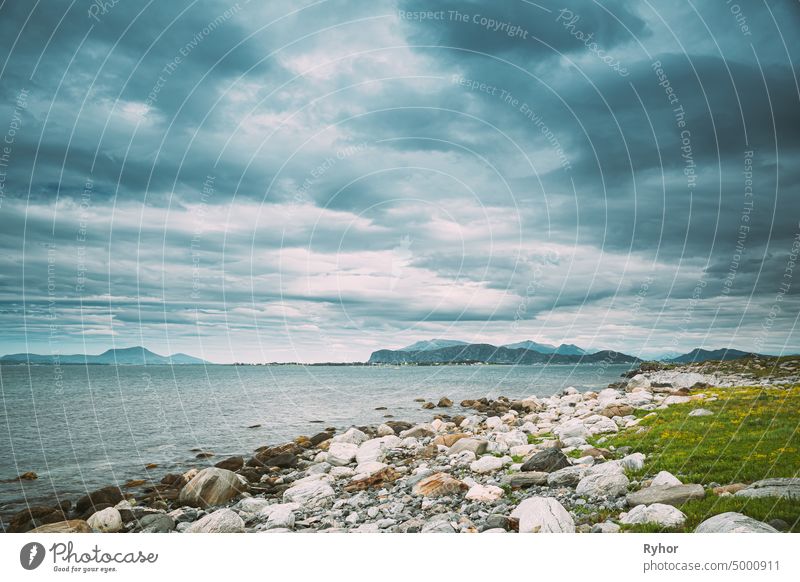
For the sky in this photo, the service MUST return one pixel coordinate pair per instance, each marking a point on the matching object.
(312, 181)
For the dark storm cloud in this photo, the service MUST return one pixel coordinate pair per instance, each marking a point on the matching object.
(353, 175)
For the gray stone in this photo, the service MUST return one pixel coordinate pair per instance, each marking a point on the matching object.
(732, 522)
(157, 523)
(525, 479)
(658, 513)
(671, 495)
(475, 446)
(548, 460)
(221, 521)
(438, 524)
(701, 412)
(566, 477)
(603, 485)
(788, 488)
(605, 527)
(543, 515)
(211, 486)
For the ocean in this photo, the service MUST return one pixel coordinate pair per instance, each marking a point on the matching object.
(84, 427)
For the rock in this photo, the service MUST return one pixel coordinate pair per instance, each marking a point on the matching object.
(281, 517)
(157, 523)
(438, 485)
(489, 464)
(607, 468)
(428, 406)
(701, 412)
(418, 432)
(69, 526)
(211, 486)
(603, 485)
(778, 524)
(398, 426)
(548, 460)
(35, 516)
(597, 424)
(221, 521)
(732, 522)
(320, 437)
(513, 438)
(525, 479)
(374, 479)
(107, 496)
(438, 524)
(310, 492)
(475, 446)
(633, 462)
(385, 430)
(231, 464)
(617, 410)
(484, 493)
(107, 520)
(444, 402)
(731, 488)
(572, 429)
(352, 436)
(665, 479)
(284, 460)
(134, 483)
(605, 527)
(671, 495)
(566, 477)
(658, 513)
(670, 400)
(342, 453)
(204, 455)
(27, 476)
(787, 488)
(543, 515)
(448, 440)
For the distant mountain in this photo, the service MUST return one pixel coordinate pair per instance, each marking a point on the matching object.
(489, 354)
(433, 344)
(135, 356)
(563, 349)
(701, 355)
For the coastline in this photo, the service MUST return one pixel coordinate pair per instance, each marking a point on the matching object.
(535, 464)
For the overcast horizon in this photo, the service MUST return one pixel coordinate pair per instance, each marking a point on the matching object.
(313, 181)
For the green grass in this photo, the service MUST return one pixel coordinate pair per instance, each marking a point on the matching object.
(536, 439)
(754, 434)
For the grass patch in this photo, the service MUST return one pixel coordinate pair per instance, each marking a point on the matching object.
(536, 439)
(752, 435)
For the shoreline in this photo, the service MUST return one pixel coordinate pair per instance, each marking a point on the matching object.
(535, 464)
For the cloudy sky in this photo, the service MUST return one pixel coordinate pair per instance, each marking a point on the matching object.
(311, 181)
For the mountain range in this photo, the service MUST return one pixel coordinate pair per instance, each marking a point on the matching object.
(486, 353)
(701, 355)
(134, 356)
(435, 344)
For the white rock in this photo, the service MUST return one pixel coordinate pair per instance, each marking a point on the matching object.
(485, 493)
(341, 472)
(701, 412)
(639, 398)
(543, 515)
(211, 486)
(371, 450)
(633, 462)
(665, 478)
(607, 468)
(282, 516)
(514, 438)
(489, 464)
(603, 485)
(385, 430)
(659, 513)
(316, 493)
(732, 522)
(369, 468)
(342, 453)
(597, 424)
(106, 520)
(352, 436)
(221, 521)
(606, 397)
(670, 400)
(252, 505)
(572, 429)
(494, 422)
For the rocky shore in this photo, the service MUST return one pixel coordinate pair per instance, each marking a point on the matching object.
(530, 465)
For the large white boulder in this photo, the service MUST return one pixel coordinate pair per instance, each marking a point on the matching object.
(658, 513)
(106, 520)
(313, 491)
(489, 464)
(340, 454)
(665, 479)
(543, 515)
(485, 493)
(211, 486)
(352, 436)
(603, 485)
(732, 522)
(221, 521)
